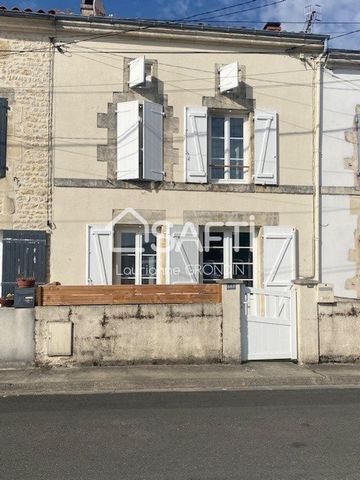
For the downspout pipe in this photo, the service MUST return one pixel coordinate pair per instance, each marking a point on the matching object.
(318, 162)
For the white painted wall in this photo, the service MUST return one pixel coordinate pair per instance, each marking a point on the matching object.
(341, 95)
(338, 229)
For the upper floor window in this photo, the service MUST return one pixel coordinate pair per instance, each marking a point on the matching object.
(217, 146)
(226, 149)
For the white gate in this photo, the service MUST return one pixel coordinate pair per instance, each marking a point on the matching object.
(269, 324)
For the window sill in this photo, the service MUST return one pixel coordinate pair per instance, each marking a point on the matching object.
(226, 182)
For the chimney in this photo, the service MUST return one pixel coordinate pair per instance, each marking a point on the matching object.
(272, 27)
(91, 8)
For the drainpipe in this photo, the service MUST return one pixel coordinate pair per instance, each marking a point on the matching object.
(318, 130)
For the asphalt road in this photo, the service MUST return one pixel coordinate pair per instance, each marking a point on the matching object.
(301, 434)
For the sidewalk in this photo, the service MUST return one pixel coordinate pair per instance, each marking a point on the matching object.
(79, 380)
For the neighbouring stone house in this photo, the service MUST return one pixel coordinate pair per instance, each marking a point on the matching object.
(26, 65)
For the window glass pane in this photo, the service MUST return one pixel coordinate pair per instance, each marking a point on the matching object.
(148, 266)
(213, 259)
(127, 281)
(243, 271)
(242, 267)
(236, 127)
(244, 255)
(245, 239)
(214, 255)
(236, 170)
(241, 239)
(236, 148)
(213, 239)
(127, 267)
(128, 240)
(150, 246)
(212, 272)
(217, 126)
(149, 281)
(217, 173)
(217, 147)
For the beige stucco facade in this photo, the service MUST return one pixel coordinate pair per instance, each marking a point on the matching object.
(88, 81)
(63, 85)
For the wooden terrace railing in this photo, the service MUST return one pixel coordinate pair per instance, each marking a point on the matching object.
(52, 295)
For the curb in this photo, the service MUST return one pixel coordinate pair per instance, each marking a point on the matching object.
(85, 388)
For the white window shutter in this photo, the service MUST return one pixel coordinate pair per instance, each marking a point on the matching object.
(100, 246)
(266, 148)
(279, 256)
(128, 131)
(229, 77)
(184, 249)
(196, 141)
(153, 141)
(137, 72)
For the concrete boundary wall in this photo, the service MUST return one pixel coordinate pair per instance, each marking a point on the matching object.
(17, 337)
(339, 331)
(169, 333)
(129, 334)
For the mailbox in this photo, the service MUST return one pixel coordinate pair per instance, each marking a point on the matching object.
(325, 293)
(24, 297)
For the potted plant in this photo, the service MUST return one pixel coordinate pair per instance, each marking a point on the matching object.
(25, 282)
(7, 301)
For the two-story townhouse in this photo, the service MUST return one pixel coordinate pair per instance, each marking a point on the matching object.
(150, 125)
(183, 130)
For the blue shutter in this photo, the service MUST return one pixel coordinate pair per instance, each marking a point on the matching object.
(24, 253)
(3, 135)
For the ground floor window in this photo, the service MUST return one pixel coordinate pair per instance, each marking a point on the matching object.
(135, 261)
(227, 254)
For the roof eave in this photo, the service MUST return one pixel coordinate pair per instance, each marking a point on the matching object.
(82, 25)
(343, 58)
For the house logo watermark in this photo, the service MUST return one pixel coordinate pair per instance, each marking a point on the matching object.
(177, 240)
(189, 232)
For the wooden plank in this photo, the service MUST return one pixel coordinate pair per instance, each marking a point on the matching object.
(128, 294)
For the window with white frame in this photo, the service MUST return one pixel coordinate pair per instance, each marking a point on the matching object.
(226, 149)
(217, 146)
(227, 254)
(135, 259)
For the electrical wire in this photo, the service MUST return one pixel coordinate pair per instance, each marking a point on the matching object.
(172, 21)
(145, 27)
(246, 10)
(285, 22)
(213, 11)
(345, 34)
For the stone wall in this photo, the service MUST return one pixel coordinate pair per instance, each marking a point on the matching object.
(339, 331)
(25, 79)
(126, 334)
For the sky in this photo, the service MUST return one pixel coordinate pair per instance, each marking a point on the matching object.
(280, 10)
